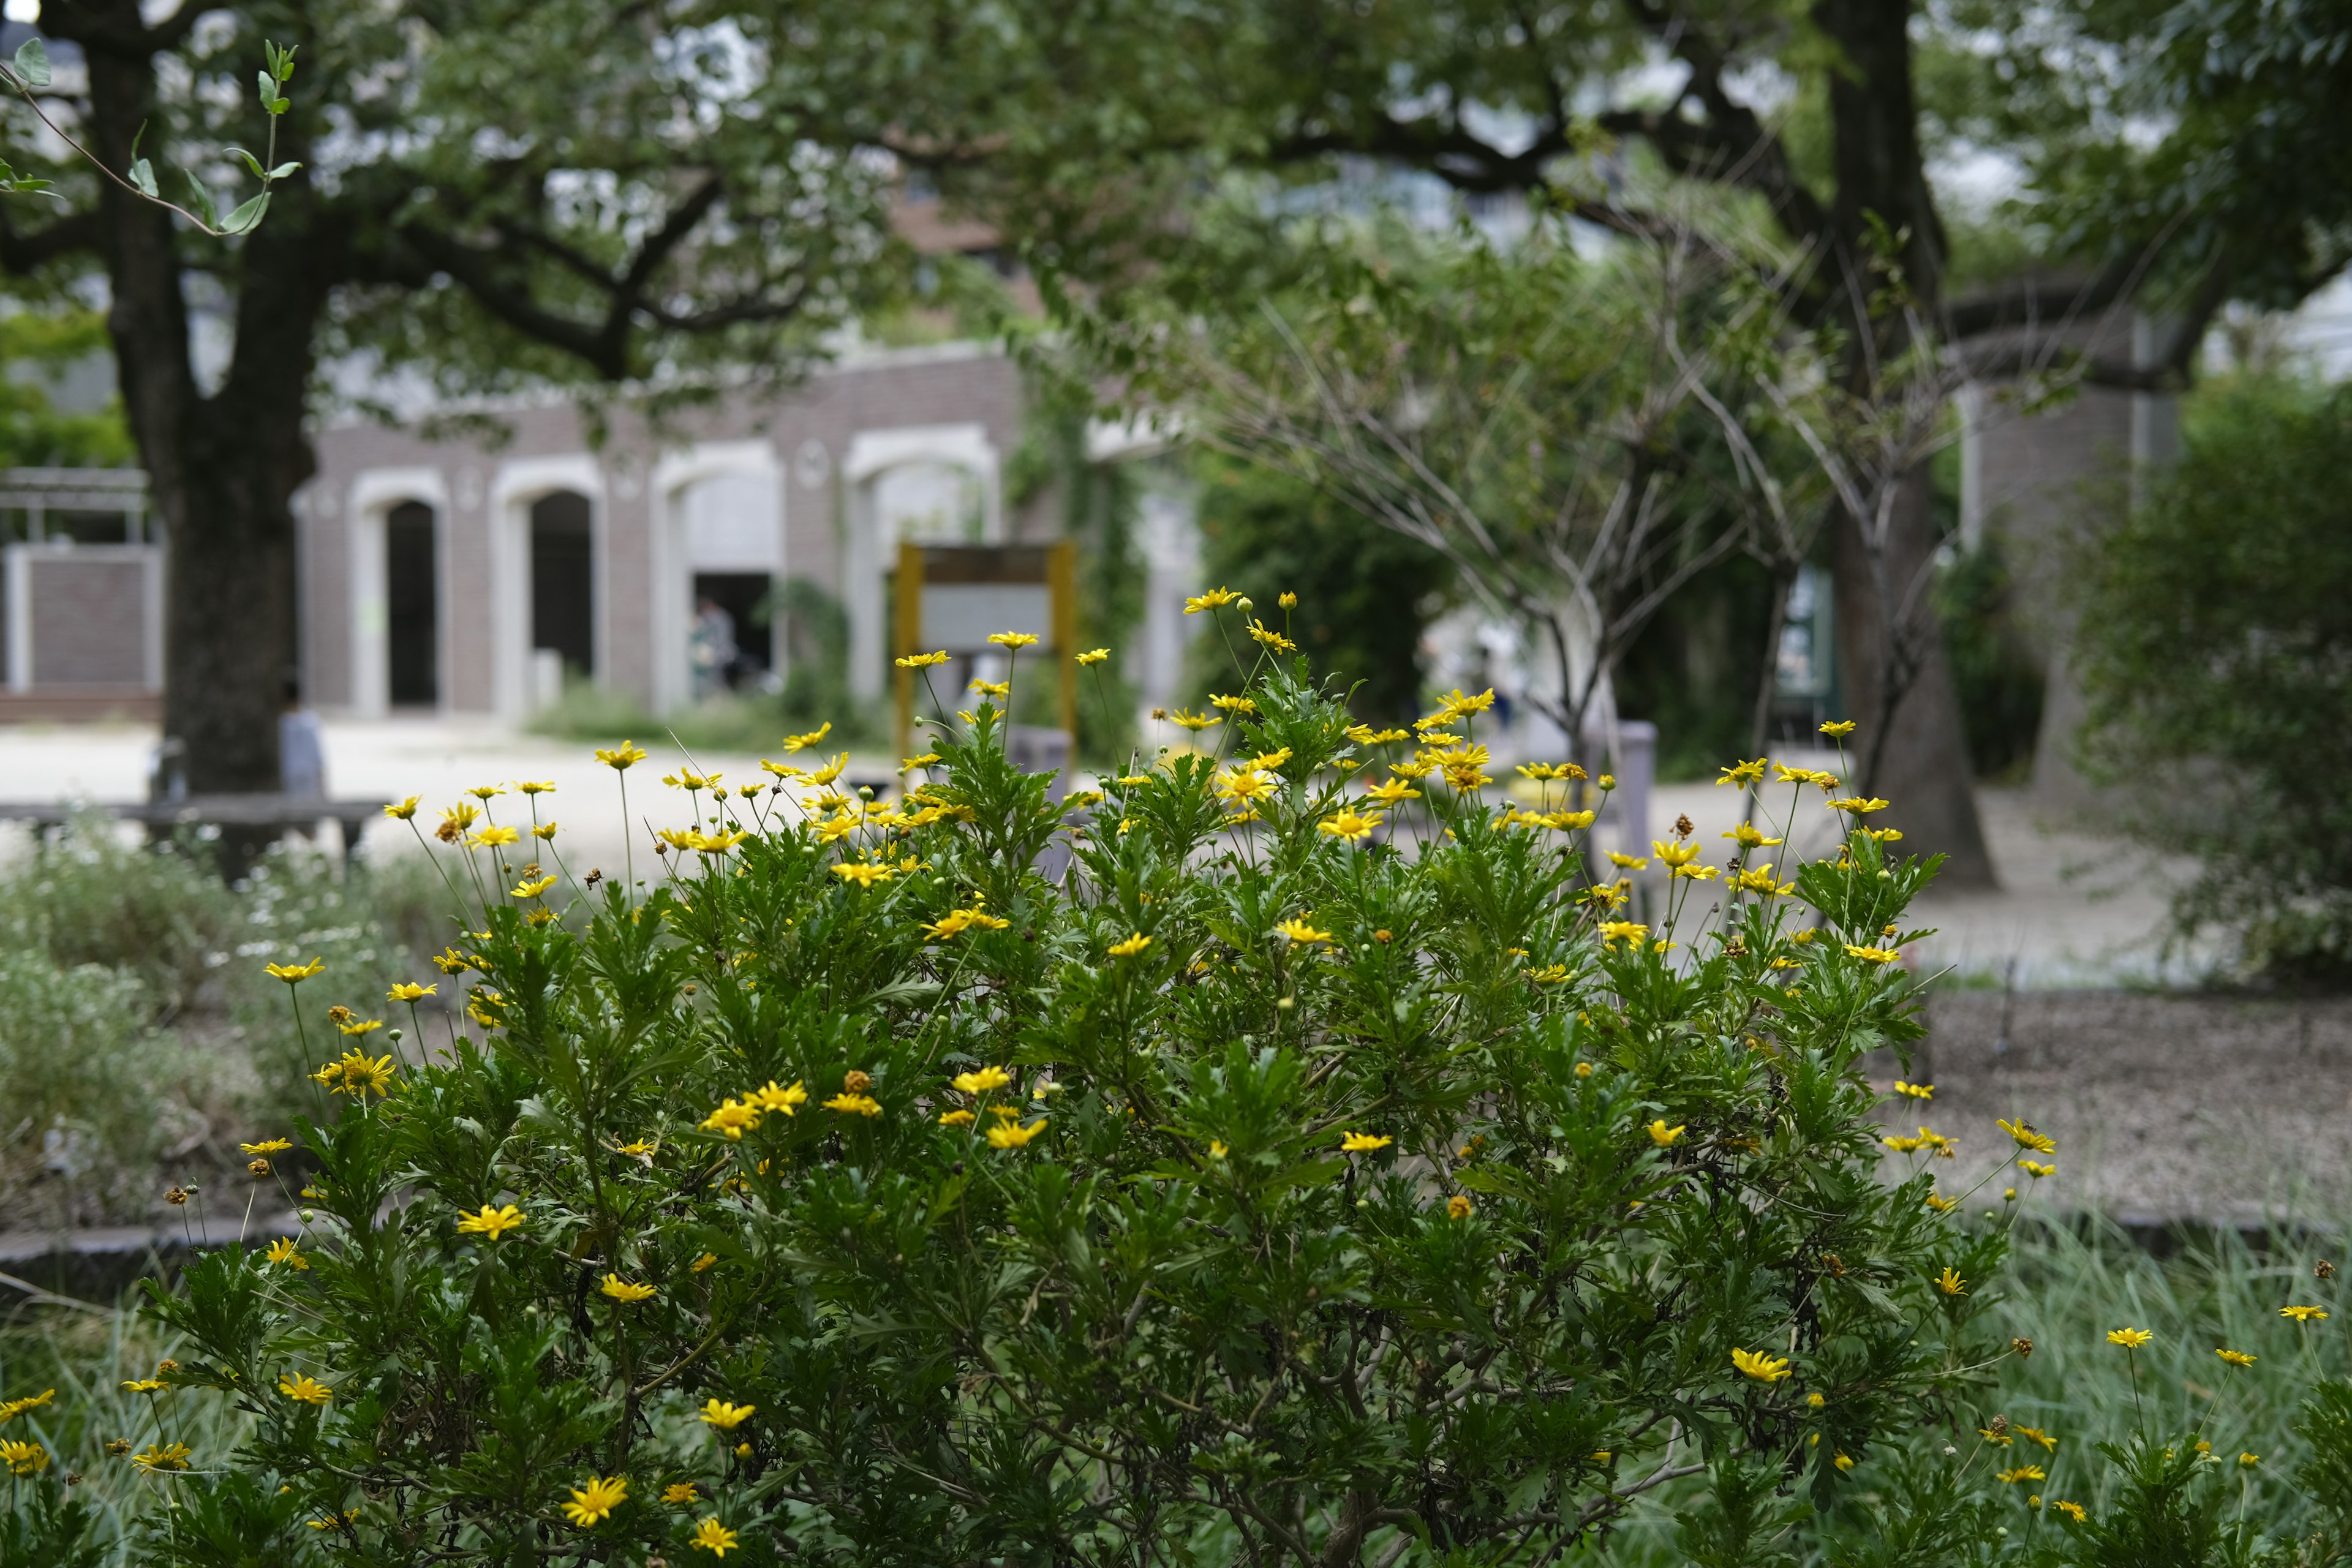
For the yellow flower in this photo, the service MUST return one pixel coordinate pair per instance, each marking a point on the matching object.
(2036, 1170)
(1748, 837)
(408, 991)
(1458, 1207)
(623, 756)
(1363, 1143)
(1614, 931)
(144, 1385)
(1742, 773)
(854, 1104)
(1391, 792)
(2036, 1434)
(1842, 727)
(493, 838)
(1267, 636)
(1675, 855)
(1844, 1463)
(957, 1119)
(993, 688)
(1663, 1135)
(1872, 954)
(983, 1080)
(1131, 947)
(267, 1146)
(361, 1025)
(1214, 599)
(679, 1492)
(1008, 1135)
(533, 889)
(1858, 805)
(864, 873)
(2235, 1358)
(493, 1223)
(486, 793)
(775, 1099)
(23, 1458)
(11, 1409)
(295, 973)
(1298, 930)
(167, 1457)
(1350, 826)
(1916, 1090)
(1233, 704)
(1763, 1368)
(283, 1250)
(1950, 1283)
(306, 1388)
(1012, 640)
(1941, 1204)
(2073, 1510)
(593, 1501)
(2027, 1137)
(712, 1537)
(2250, 1460)
(2304, 1314)
(732, 1119)
(2023, 1473)
(402, 810)
(635, 1146)
(1094, 655)
(718, 1413)
(2130, 1338)
(624, 1291)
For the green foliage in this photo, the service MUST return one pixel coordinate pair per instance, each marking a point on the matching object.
(2215, 651)
(38, 347)
(1024, 1217)
(1374, 591)
(133, 1014)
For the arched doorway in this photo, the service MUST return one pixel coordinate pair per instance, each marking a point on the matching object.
(563, 581)
(412, 606)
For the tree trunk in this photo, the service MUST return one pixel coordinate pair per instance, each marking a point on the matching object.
(223, 468)
(1922, 752)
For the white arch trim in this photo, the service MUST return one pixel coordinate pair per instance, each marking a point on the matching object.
(374, 493)
(517, 482)
(672, 584)
(871, 547)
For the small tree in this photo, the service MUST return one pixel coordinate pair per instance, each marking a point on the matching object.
(1554, 427)
(858, 1195)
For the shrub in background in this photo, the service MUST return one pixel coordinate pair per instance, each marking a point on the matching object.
(2216, 652)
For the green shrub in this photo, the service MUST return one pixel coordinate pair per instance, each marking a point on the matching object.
(88, 1091)
(2216, 650)
(1254, 1190)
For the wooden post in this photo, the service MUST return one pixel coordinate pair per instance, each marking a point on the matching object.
(907, 630)
(1062, 581)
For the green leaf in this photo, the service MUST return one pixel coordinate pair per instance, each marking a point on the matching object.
(268, 92)
(143, 174)
(201, 198)
(283, 170)
(33, 63)
(247, 217)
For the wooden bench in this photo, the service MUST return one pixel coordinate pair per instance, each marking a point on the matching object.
(256, 814)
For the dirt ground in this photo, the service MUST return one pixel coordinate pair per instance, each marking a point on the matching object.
(2165, 1106)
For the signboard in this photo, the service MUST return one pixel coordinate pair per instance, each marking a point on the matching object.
(954, 597)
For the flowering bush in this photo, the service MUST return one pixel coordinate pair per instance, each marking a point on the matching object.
(1313, 1173)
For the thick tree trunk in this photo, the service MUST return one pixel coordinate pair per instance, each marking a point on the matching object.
(1921, 751)
(223, 468)
(1910, 749)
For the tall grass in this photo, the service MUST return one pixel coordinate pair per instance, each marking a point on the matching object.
(87, 1357)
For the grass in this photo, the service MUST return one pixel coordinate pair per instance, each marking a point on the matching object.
(2065, 1289)
(736, 721)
